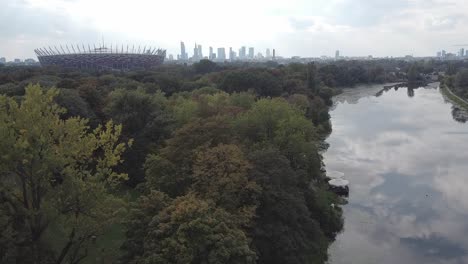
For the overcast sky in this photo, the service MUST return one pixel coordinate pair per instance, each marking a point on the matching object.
(293, 27)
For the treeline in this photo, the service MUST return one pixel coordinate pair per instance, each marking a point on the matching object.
(456, 78)
(199, 164)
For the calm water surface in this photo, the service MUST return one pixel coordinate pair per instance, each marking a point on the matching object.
(407, 161)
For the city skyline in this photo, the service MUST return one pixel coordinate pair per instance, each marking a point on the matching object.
(296, 28)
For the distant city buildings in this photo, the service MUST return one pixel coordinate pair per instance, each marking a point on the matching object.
(242, 53)
(337, 55)
(19, 62)
(223, 54)
(197, 53)
(211, 54)
(460, 54)
(251, 53)
(183, 55)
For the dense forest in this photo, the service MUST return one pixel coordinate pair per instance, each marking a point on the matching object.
(206, 163)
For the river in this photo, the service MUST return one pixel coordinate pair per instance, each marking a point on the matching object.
(406, 158)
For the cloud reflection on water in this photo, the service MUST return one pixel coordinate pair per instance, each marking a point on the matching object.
(406, 160)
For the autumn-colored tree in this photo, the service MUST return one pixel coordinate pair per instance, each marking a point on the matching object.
(170, 170)
(193, 231)
(220, 174)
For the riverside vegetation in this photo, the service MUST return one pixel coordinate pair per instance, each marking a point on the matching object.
(181, 164)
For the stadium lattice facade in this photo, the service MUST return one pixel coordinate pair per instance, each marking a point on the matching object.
(101, 58)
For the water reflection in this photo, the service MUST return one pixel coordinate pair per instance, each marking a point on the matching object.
(407, 162)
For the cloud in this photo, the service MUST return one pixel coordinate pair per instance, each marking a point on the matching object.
(301, 24)
(293, 27)
(442, 23)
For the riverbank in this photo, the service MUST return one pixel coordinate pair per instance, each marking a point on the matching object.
(452, 97)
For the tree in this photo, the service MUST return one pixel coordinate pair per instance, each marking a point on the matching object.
(275, 121)
(285, 230)
(137, 225)
(312, 82)
(220, 175)
(170, 170)
(145, 118)
(413, 74)
(461, 79)
(205, 66)
(55, 178)
(193, 231)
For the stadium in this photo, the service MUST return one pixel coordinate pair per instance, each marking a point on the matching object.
(101, 58)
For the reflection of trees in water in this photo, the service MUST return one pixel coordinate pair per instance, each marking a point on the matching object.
(459, 115)
(410, 92)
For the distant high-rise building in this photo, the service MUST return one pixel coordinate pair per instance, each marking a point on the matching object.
(274, 54)
(231, 57)
(183, 54)
(242, 52)
(195, 56)
(439, 54)
(2, 60)
(268, 55)
(444, 53)
(462, 52)
(251, 53)
(337, 54)
(171, 57)
(200, 52)
(210, 55)
(17, 60)
(221, 54)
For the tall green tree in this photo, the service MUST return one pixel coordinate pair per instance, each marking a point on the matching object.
(312, 78)
(55, 180)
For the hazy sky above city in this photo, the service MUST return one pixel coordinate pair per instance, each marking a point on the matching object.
(293, 27)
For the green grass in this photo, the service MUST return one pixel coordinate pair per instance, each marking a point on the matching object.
(453, 98)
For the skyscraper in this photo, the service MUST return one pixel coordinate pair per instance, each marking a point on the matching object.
(2, 60)
(242, 52)
(337, 54)
(200, 52)
(251, 52)
(444, 53)
(268, 55)
(231, 53)
(210, 56)
(195, 53)
(462, 52)
(183, 54)
(274, 54)
(221, 54)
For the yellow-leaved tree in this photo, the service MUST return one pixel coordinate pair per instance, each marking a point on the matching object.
(56, 180)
